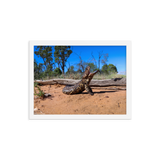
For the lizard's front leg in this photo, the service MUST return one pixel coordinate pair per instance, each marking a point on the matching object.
(89, 90)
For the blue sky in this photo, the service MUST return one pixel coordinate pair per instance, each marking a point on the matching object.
(117, 55)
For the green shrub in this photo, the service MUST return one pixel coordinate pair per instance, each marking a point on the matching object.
(109, 69)
(41, 93)
(57, 72)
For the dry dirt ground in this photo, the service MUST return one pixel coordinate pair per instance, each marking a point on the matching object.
(103, 101)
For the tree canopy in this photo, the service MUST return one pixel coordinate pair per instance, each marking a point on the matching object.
(108, 69)
(61, 55)
(57, 72)
(93, 67)
(38, 70)
(54, 63)
(45, 52)
(70, 70)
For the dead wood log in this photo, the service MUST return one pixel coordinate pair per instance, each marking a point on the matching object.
(94, 83)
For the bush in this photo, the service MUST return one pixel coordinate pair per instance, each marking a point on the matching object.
(40, 93)
(57, 72)
(109, 69)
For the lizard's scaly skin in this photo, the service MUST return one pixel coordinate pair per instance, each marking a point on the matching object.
(82, 85)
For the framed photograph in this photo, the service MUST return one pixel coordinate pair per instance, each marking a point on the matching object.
(80, 80)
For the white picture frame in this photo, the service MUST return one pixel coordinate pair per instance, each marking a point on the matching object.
(128, 42)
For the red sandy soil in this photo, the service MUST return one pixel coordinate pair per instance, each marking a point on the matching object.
(103, 101)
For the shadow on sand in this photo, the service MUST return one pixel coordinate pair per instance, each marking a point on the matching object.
(100, 92)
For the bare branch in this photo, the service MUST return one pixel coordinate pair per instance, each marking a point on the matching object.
(81, 64)
(94, 60)
(105, 58)
(99, 58)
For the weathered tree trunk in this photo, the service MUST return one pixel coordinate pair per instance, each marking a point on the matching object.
(94, 83)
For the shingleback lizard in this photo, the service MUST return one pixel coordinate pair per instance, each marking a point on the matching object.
(82, 85)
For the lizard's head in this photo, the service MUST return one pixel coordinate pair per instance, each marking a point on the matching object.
(88, 74)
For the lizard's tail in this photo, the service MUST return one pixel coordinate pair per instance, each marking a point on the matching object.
(68, 89)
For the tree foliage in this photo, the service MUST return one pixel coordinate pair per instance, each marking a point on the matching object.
(108, 69)
(61, 55)
(70, 70)
(45, 52)
(112, 68)
(57, 72)
(48, 67)
(38, 70)
(93, 67)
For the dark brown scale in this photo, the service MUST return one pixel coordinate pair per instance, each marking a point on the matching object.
(82, 85)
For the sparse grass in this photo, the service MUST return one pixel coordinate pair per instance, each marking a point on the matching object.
(41, 93)
(98, 76)
(68, 76)
(110, 76)
(73, 76)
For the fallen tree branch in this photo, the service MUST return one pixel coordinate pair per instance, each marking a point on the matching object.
(94, 83)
